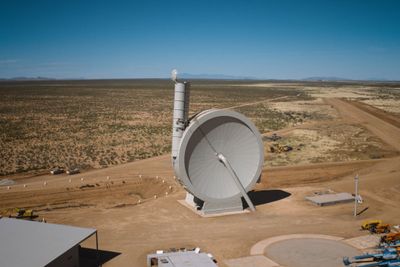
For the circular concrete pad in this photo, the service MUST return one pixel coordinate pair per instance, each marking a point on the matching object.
(309, 252)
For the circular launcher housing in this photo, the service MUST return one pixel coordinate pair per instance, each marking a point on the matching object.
(219, 159)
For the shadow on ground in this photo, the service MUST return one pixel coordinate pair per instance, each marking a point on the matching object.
(88, 257)
(265, 196)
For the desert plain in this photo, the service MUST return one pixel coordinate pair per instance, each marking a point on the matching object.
(118, 132)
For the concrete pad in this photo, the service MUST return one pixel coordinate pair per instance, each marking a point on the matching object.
(184, 203)
(310, 252)
(331, 199)
(251, 261)
(259, 248)
(364, 242)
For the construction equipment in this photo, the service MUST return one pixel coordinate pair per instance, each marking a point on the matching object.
(389, 263)
(380, 229)
(368, 224)
(277, 148)
(391, 239)
(375, 227)
(386, 257)
(24, 214)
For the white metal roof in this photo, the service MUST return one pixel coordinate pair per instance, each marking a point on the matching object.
(28, 243)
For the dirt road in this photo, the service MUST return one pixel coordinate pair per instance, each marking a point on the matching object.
(382, 129)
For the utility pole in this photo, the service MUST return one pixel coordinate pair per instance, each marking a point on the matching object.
(355, 195)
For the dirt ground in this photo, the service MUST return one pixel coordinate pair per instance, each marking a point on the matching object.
(108, 199)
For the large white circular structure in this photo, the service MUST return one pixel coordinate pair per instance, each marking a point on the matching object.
(209, 134)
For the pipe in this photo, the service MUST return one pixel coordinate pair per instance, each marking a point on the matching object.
(355, 195)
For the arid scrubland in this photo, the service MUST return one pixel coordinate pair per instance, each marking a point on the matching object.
(98, 123)
(94, 124)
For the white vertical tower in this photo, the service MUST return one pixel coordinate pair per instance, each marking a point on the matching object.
(181, 112)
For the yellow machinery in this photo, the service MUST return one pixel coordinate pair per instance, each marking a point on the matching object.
(277, 148)
(375, 227)
(368, 224)
(24, 214)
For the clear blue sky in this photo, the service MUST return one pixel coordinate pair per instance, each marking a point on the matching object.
(263, 39)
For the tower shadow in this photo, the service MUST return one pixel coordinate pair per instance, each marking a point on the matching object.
(265, 196)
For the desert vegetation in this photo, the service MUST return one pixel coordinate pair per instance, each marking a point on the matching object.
(99, 123)
(95, 124)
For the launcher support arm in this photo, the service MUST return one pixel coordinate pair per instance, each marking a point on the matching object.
(232, 172)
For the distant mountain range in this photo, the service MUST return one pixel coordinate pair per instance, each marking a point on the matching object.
(326, 79)
(332, 79)
(22, 78)
(216, 77)
(232, 77)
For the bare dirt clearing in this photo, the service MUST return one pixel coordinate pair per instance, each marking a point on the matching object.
(382, 129)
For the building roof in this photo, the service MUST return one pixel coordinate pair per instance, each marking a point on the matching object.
(183, 259)
(29, 243)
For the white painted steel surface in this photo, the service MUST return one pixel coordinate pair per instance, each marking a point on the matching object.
(214, 132)
(180, 115)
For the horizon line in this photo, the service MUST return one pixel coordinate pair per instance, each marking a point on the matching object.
(233, 78)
